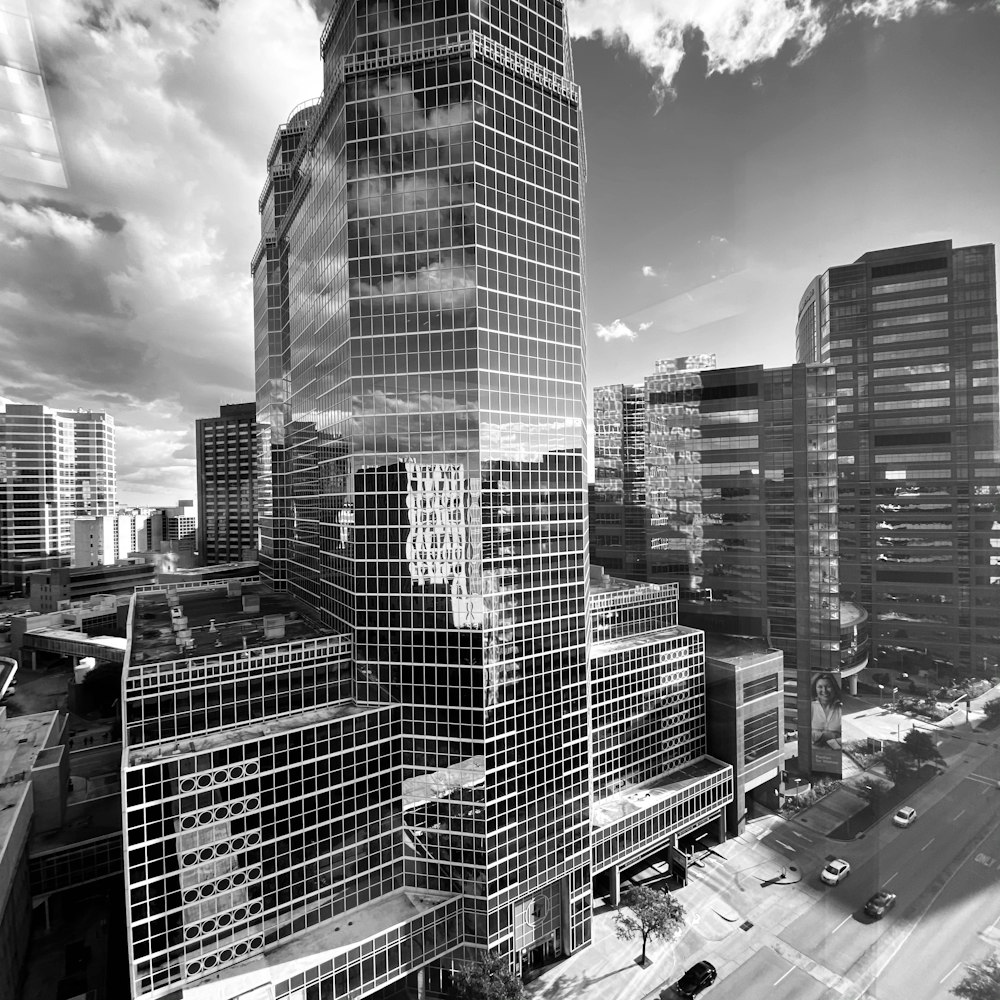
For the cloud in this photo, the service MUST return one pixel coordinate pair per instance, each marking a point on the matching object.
(130, 289)
(645, 326)
(648, 272)
(616, 331)
(737, 33)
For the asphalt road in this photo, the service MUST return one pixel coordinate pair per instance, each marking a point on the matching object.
(944, 870)
(960, 921)
(767, 976)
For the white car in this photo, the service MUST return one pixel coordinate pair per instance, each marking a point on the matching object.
(836, 871)
(904, 816)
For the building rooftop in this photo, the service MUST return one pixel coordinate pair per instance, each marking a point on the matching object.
(739, 650)
(851, 614)
(623, 643)
(196, 742)
(303, 952)
(215, 622)
(22, 740)
(632, 798)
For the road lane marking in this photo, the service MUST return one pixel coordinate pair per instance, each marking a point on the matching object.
(985, 790)
(928, 844)
(958, 965)
(982, 779)
(783, 844)
(842, 922)
(791, 969)
(801, 836)
(962, 813)
(898, 944)
(890, 878)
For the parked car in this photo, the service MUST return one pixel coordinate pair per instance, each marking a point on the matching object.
(904, 816)
(836, 871)
(880, 904)
(700, 976)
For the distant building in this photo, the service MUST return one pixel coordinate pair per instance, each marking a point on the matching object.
(912, 332)
(227, 470)
(171, 529)
(725, 482)
(54, 466)
(106, 539)
(94, 454)
(49, 590)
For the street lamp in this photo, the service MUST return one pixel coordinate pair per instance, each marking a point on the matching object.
(881, 693)
(895, 691)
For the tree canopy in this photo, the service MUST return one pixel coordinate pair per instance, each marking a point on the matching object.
(488, 978)
(655, 915)
(981, 980)
(920, 745)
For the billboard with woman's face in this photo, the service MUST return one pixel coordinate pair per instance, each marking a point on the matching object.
(826, 728)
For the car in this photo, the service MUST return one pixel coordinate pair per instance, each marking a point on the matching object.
(880, 904)
(904, 816)
(836, 871)
(700, 976)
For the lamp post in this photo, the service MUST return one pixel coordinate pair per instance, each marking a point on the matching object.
(881, 693)
(895, 691)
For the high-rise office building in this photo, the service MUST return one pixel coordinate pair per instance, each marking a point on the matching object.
(227, 468)
(38, 490)
(103, 540)
(912, 332)
(94, 451)
(724, 481)
(171, 529)
(420, 360)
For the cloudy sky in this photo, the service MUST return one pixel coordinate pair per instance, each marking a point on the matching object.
(735, 149)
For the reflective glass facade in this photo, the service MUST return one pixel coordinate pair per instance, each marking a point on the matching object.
(420, 369)
(912, 332)
(739, 497)
(53, 466)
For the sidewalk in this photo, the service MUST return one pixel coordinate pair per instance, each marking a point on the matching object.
(731, 914)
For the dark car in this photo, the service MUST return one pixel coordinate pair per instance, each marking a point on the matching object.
(697, 978)
(880, 904)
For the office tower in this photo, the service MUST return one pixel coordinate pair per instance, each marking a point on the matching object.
(653, 777)
(731, 479)
(912, 332)
(38, 490)
(420, 360)
(94, 450)
(227, 468)
(171, 529)
(103, 540)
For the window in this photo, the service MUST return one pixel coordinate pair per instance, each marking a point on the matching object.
(759, 687)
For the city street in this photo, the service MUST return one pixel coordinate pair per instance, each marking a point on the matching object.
(759, 912)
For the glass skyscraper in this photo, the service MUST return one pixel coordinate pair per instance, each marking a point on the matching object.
(420, 359)
(723, 481)
(912, 332)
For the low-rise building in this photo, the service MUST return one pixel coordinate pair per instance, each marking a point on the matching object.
(746, 719)
(53, 589)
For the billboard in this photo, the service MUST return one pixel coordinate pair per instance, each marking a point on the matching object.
(826, 726)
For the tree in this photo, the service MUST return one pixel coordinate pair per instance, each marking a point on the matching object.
(981, 982)
(992, 710)
(655, 914)
(488, 978)
(920, 745)
(896, 762)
